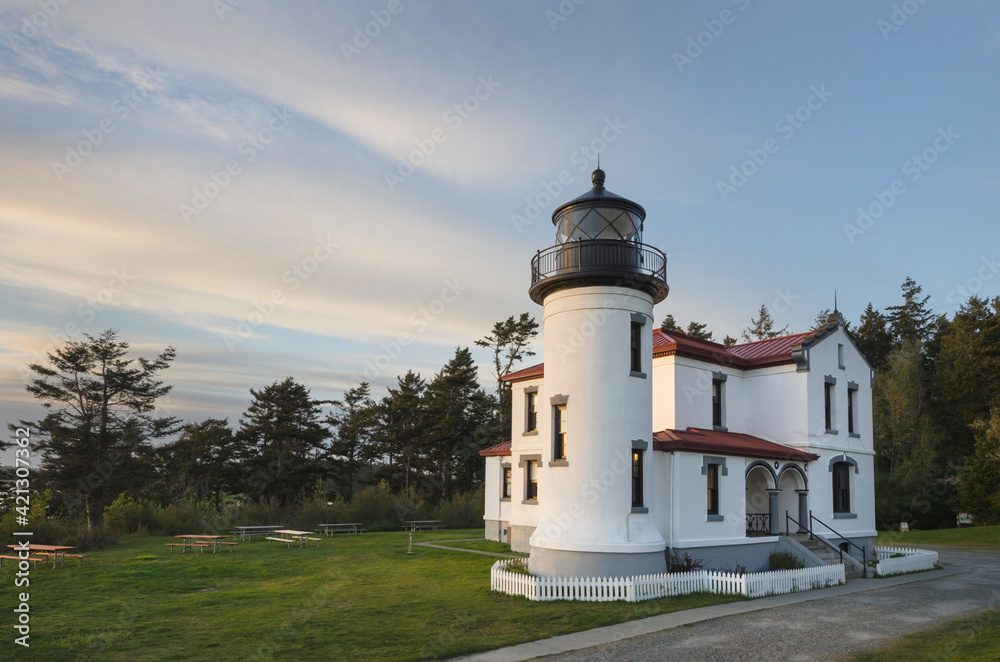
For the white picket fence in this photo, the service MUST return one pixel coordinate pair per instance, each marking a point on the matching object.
(647, 587)
(912, 559)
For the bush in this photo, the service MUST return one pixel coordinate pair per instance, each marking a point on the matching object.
(462, 511)
(686, 564)
(48, 530)
(784, 561)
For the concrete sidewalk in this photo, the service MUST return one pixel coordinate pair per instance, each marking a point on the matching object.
(653, 624)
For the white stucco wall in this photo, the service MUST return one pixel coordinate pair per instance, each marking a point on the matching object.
(585, 505)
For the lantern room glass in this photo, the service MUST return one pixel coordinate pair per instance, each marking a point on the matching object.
(597, 222)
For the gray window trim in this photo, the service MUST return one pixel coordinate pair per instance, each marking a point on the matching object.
(523, 463)
(503, 469)
(559, 400)
(829, 379)
(715, 518)
(640, 509)
(852, 386)
(843, 458)
(528, 391)
(719, 376)
(559, 463)
(845, 516)
(633, 373)
(640, 445)
(638, 318)
(714, 459)
(853, 435)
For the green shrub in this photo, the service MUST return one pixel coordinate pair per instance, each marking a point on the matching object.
(462, 511)
(784, 561)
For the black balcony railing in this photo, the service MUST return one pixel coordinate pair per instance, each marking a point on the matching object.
(611, 261)
(758, 524)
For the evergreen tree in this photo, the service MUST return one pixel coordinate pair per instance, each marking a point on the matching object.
(699, 330)
(202, 460)
(510, 342)
(282, 442)
(873, 337)
(94, 441)
(351, 450)
(399, 430)
(911, 320)
(729, 341)
(455, 406)
(980, 486)
(762, 327)
(907, 439)
(669, 324)
(966, 364)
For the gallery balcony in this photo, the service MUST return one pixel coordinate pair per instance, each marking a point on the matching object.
(599, 262)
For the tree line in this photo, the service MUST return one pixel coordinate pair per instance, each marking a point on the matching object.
(97, 438)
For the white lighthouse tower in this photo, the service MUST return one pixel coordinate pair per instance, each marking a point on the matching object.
(598, 285)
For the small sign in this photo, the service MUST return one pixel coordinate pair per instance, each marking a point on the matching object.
(904, 527)
(964, 518)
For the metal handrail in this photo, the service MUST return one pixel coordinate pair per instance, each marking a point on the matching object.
(840, 550)
(599, 254)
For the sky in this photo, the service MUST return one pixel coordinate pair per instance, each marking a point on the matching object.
(344, 191)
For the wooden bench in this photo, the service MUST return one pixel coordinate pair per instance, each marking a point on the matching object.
(185, 545)
(287, 541)
(33, 559)
(75, 556)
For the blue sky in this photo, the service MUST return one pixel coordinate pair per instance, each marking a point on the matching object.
(276, 193)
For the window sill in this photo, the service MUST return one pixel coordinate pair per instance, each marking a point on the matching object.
(831, 432)
(853, 435)
(842, 367)
(720, 428)
(639, 509)
(845, 516)
(716, 518)
(505, 499)
(530, 433)
(559, 463)
(640, 375)
(529, 502)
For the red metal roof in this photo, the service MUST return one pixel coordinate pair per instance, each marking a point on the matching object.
(527, 373)
(770, 348)
(698, 440)
(503, 448)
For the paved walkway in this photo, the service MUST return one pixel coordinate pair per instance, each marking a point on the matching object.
(814, 625)
(431, 543)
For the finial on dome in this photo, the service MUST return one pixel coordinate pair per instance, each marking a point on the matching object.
(598, 177)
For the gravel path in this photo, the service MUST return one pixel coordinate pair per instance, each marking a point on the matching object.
(822, 629)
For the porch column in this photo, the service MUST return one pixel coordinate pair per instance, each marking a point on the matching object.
(772, 507)
(803, 511)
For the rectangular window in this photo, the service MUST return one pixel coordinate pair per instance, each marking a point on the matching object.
(713, 489)
(637, 479)
(559, 432)
(828, 404)
(636, 347)
(852, 394)
(717, 394)
(840, 356)
(842, 487)
(505, 494)
(531, 407)
(531, 481)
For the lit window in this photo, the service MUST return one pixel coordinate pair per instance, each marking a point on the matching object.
(506, 483)
(531, 406)
(531, 482)
(559, 432)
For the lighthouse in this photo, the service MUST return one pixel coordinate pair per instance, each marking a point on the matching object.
(597, 285)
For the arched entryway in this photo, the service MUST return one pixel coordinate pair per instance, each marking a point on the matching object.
(793, 499)
(761, 500)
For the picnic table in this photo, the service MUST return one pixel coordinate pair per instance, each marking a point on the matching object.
(57, 552)
(423, 524)
(288, 536)
(196, 540)
(243, 533)
(350, 527)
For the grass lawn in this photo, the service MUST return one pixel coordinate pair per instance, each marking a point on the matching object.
(971, 536)
(969, 640)
(356, 597)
